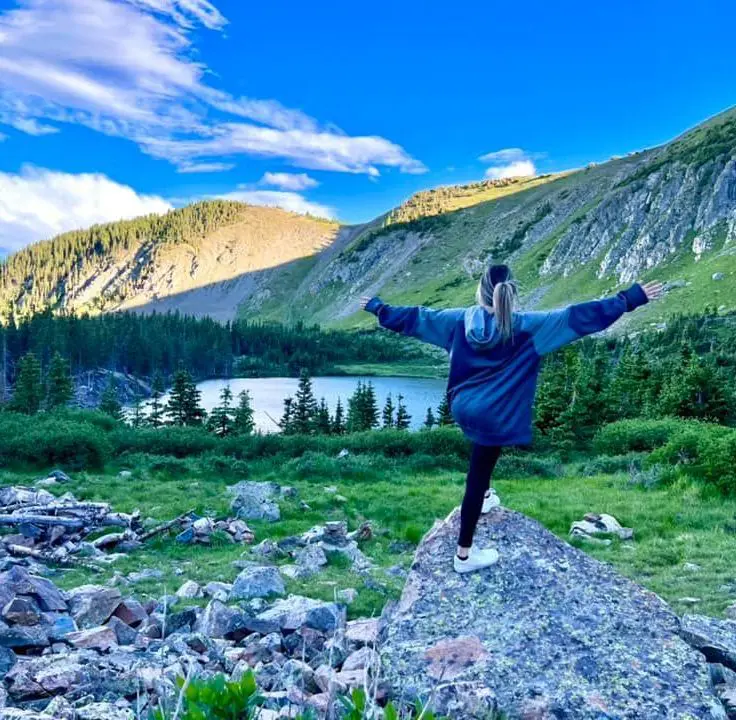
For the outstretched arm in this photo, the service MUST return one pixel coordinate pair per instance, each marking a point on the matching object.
(431, 326)
(552, 330)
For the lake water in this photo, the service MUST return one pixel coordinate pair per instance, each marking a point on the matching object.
(267, 394)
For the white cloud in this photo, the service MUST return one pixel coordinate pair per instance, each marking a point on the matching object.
(292, 201)
(522, 168)
(205, 167)
(127, 68)
(288, 181)
(39, 203)
(322, 150)
(509, 162)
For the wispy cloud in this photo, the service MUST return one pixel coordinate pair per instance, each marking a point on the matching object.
(126, 68)
(288, 181)
(205, 167)
(291, 201)
(38, 203)
(510, 162)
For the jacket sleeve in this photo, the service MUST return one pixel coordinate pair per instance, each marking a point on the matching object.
(552, 330)
(431, 326)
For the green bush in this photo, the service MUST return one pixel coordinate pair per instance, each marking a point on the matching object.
(325, 468)
(180, 442)
(707, 453)
(522, 465)
(627, 436)
(611, 464)
(46, 440)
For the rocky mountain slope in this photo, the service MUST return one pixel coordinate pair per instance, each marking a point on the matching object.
(668, 212)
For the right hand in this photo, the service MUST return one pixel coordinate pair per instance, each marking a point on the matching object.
(364, 301)
(653, 290)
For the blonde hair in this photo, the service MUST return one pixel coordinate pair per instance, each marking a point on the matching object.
(497, 292)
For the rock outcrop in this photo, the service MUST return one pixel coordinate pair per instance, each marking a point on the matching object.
(548, 633)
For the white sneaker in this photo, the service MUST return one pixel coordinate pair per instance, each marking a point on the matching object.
(477, 560)
(490, 501)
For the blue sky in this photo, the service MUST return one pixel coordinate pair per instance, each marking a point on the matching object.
(111, 108)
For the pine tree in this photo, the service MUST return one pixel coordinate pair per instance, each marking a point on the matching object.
(287, 419)
(388, 413)
(109, 402)
(305, 406)
(184, 407)
(444, 416)
(60, 389)
(370, 407)
(323, 424)
(429, 420)
(221, 419)
(338, 422)
(156, 410)
(137, 418)
(627, 393)
(403, 419)
(554, 393)
(243, 424)
(28, 391)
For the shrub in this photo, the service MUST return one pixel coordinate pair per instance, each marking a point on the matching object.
(707, 453)
(627, 436)
(177, 441)
(45, 440)
(318, 466)
(611, 464)
(528, 466)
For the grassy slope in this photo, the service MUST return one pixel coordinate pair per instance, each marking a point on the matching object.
(673, 525)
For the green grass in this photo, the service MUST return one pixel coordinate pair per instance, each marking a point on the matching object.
(673, 525)
(397, 369)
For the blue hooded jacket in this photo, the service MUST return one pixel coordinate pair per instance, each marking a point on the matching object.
(492, 381)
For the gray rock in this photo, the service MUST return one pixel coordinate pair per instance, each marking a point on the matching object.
(18, 581)
(46, 676)
(131, 612)
(731, 611)
(7, 660)
(19, 637)
(104, 711)
(311, 559)
(365, 658)
(218, 590)
(548, 632)
(721, 675)
(362, 632)
(718, 276)
(216, 619)
(124, 634)
(92, 605)
(268, 549)
(99, 638)
(255, 501)
(257, 582)
(182, 621)
(22, 611)
(716, 639)
(190, 590)
(145, 575)
(297, 611)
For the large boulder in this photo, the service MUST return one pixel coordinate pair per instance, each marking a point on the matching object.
(255, 500)
(257, 582)
(297, 611)
(548, 632)
(92, 605)
(19, 582)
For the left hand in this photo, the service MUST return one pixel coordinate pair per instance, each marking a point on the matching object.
(653, 290)
(364, 301)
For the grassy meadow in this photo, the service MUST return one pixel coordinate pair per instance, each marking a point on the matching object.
(684, 542)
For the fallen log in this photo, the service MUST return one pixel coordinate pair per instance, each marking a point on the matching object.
(48, 520)
(48, 557)
(164, 527)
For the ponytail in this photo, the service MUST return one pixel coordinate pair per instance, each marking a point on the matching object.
(497, 293)
(504, 295)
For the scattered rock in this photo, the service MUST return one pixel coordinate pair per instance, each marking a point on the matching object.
(365, 658)
(347, 596)
(549, 631)
(601, 524)
(125, 474)
(131, 612)
(145, 575)
(362, 632)
(717, 276)
(190, 590)
(297, 611)
(255, 500)
(99, 638)
(716, 639)
(92, 605)
(257, 582)
(691, 567)
(218, 590)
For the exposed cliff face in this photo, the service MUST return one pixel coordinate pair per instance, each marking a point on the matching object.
(669, 212)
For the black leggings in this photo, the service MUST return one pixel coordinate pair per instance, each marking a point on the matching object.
(483, 459)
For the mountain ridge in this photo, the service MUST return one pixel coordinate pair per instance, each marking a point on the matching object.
(669, 211)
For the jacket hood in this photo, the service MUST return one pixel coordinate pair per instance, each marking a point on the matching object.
(480, 328)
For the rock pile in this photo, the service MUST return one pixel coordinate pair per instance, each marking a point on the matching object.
(593, 525)
(547, 633)
(47, 528)
(200, 531)
(92, 654)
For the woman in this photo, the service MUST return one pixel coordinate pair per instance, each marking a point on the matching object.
(495, 355)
